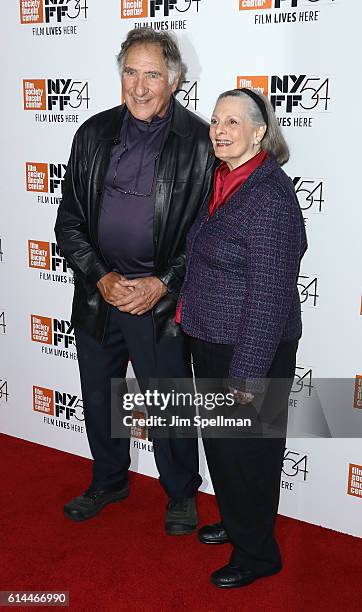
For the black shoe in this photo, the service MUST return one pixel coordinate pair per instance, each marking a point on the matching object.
(91, 502)
(181, 516)
(232, 576)
(213, 534)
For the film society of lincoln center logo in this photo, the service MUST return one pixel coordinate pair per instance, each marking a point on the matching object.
(47, 258)
(53, 17)
(355, 480)
(283, 11)
(62, 97)
(357, 399)
(176, 9)
(59, 408)
(55, 335)
(139, 432)
(298, 97)
(45, 180)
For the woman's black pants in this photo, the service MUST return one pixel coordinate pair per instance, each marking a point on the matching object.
(246, 472)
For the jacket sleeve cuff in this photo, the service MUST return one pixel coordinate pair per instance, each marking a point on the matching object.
(171, 281)
(248, 385)
(98, 271)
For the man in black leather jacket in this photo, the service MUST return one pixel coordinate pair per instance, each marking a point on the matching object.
(136, 177)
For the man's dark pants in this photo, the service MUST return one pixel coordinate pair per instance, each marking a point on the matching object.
(132, 337)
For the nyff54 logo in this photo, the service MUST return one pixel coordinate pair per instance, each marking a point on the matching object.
(46, 256)
(55, 94)
(4, 393)
(49, 331)
(295, 465)
(139, 9)
(2, 322)
(57, 403)
(308, 290)
(291, 92)
(188, 94)
(44, 177)
(310, 193)
(52, 11)
(302, 384)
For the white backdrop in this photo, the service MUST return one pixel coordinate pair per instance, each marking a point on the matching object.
(61, 69)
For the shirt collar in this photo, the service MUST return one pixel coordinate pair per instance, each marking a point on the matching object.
(156, 121)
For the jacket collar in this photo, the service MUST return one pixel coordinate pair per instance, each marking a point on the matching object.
(111, 123)
(180, 123)
(269, 166)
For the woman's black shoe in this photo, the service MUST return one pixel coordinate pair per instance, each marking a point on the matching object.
(233, 576)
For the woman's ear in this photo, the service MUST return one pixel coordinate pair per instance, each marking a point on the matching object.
(259, 133)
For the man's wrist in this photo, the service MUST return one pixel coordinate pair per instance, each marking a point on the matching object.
(163, 286)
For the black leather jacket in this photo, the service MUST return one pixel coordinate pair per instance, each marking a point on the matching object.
(183, 181)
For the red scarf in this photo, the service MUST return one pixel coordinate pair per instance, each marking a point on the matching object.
(227, 182)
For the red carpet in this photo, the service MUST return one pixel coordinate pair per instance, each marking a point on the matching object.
(121, 560)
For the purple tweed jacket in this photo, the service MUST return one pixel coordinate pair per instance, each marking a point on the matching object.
(243, 263)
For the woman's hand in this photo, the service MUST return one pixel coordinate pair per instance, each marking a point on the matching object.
(242, 397)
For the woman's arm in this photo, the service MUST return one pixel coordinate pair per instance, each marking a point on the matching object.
(275, 245)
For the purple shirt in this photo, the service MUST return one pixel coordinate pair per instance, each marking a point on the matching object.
(125, 230)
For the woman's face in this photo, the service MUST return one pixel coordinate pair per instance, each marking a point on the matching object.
(233, 137)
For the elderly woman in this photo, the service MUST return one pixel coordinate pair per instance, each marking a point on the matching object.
(240, 307)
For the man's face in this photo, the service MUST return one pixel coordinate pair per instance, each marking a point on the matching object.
(145, 85)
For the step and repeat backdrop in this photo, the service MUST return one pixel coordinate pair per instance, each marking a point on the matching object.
(61, 69)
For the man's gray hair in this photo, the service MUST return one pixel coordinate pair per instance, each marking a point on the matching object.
(273, 141)
(170, 49)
